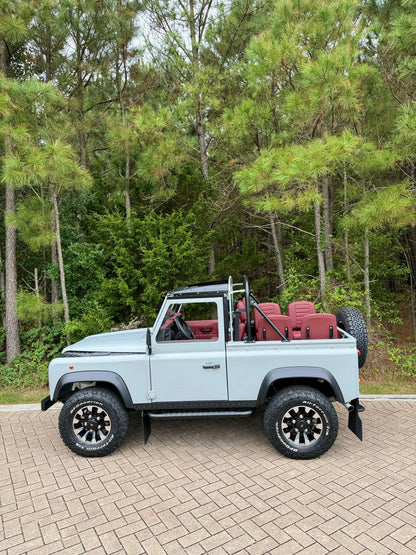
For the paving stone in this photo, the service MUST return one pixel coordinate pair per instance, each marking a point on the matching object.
(215, 486)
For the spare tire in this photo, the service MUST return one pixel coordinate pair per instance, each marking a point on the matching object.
(352, 321)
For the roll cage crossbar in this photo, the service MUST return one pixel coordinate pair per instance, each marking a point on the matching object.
(250, 301)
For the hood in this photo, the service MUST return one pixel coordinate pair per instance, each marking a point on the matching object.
(129, 341)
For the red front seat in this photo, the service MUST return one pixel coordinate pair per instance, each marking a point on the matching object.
(242, 321)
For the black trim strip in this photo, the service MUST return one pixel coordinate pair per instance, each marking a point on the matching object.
(299, 372)
(195, 405)
(102, 376)
(72, 354)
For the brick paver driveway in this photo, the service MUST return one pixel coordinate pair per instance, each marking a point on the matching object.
(210, 486)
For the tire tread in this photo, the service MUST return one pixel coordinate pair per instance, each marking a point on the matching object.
(351, 320)
(294, 395)
(92, 394)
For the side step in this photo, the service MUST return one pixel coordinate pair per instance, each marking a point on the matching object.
(147, 416)
(199, 414)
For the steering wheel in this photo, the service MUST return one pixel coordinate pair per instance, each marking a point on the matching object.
(184, 328)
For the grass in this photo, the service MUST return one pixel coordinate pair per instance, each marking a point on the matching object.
(388, 388)
(11, 396)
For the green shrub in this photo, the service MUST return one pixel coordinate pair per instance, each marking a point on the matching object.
(30, 369)
(94, 319)
(404, 359)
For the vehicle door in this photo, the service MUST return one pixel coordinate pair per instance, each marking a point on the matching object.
(189, 369)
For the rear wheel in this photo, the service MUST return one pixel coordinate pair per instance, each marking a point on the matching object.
(300, 422)
(93, 422)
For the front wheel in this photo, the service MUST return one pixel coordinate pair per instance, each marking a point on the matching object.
(301, 423)
(93, 422)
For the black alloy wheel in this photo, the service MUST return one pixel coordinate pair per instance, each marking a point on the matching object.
(300, 422)
(93, 422)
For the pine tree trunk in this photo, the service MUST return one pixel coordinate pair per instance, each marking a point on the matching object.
(82, 146)
(37, 293)
(200, 128)
(202, 143)
(413, 304)
(80, 104)
(1, 277)
(320, 254)
(211, 269)
(54, 262)
(4, 58)
(367, 275)
(327, 223)
(10, 321)
(127, 188)
(346, 232)
(60, 257)
(54, 283)
(278, 252)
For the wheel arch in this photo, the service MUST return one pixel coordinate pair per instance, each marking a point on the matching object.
(316, 377)
(110, 380)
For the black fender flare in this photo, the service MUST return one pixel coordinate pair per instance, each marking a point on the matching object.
(298, 372)
(102, 376)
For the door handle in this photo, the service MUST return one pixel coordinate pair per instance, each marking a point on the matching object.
(209, 366)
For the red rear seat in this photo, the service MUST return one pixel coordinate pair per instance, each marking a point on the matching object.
(271, 309)
(297, 311)
(260, 323)
(265, 331)
(319, 326)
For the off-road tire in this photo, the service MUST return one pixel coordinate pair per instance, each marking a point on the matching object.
(297, 415)
(93, 422)
(352, 321)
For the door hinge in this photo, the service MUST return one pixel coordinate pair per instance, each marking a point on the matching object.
(151, 395)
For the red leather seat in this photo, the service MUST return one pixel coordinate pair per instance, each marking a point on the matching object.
(260, 323)
(242, 323)
(319, 326)
(264, 330)
(271, 309)
(297, 311)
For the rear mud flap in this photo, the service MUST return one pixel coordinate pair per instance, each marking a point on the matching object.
(46, 403)
(354, 420)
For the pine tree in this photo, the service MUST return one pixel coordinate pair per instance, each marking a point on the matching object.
(13, 32)
(308, 67)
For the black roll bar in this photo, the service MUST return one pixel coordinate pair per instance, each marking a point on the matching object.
(255, 303)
